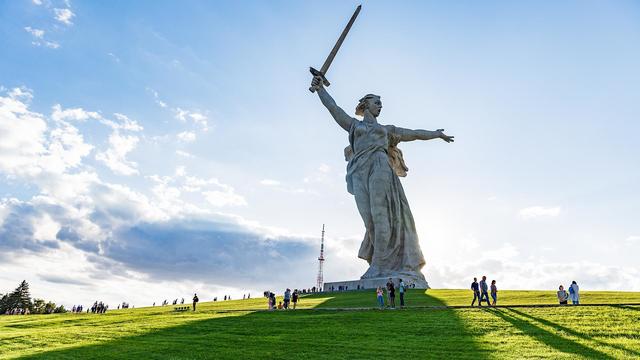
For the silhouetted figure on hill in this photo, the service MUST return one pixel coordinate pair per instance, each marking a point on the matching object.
(476, 292)
(195, 301)
(484, 291)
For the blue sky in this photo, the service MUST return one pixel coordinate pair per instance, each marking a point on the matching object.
(153, 149)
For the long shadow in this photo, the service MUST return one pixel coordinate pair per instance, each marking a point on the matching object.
(575, 333)
(553, 340)
(627, 307)
(297, 334)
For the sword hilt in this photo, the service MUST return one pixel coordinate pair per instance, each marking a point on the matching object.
(315, 72)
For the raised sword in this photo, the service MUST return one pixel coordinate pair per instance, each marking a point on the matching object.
(325, 67)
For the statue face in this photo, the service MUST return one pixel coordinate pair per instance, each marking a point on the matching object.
(374, 105)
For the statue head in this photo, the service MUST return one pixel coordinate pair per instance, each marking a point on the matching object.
(369, 102)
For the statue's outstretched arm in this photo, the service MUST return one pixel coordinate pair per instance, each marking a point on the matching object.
(339, 115)
(410, 135)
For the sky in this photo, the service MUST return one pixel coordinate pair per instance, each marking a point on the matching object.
(153, 149)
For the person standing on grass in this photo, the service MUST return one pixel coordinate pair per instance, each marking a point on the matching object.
(574, 293)
(287, 298)
(294, 298)
(195, 301)
(380, 295)
(391, 293)
(494, 292)
(476, 292)
(562, 295)
(484, 291)
(401, 289)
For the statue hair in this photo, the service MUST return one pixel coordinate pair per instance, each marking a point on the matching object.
(362, 103)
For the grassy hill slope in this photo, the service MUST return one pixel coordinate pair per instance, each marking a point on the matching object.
(233, 329)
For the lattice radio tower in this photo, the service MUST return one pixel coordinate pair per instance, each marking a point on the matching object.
(320, 280)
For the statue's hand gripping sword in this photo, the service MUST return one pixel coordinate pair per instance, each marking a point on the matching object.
(334, 51)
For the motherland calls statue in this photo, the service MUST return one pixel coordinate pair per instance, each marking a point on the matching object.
(390, 244)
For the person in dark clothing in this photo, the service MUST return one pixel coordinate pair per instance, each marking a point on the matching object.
(294, 298)
(484, 291)
(392, 293)
(195, 301)
(476, 292)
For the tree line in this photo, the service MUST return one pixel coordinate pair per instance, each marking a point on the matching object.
(19, 302)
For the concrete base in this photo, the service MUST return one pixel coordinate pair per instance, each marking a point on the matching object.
(373, 283)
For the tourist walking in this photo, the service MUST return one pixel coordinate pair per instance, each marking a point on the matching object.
(574, 293)
(494, 292)
(195, 301)
(476, 292)
(380, 295)
(401, 289)
(484, 291)
(562, 295)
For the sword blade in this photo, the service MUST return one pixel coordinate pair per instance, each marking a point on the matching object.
(336, 47)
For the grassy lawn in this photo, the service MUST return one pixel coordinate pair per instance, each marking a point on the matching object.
(231, 329)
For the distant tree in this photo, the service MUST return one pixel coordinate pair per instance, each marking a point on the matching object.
(4, 299)
(60, 309)
(38, 306)
(20, 297)
(49, 307)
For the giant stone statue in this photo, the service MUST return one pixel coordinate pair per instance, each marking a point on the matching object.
(375, 163)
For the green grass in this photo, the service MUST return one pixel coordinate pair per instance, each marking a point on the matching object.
(233, 329)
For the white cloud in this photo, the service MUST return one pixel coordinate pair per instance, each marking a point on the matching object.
(37, 2)
(539, 211)
(197, 117)
(184, 154)
(633, 239)
(64, 16)
(39, 40)
(114, 57)
(123, 122)
(224, 198)
(37, 33)
(73, 114)
(324, 168)
(186, 136)
(156, 97)
(23, 135)
(269, 182)
(115, 156)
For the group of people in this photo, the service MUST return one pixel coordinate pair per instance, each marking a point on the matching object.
(573, 294)
(77, 309)
(481, 291)
(391, 294)
(289, 298)
(99, 308)
(125, 305)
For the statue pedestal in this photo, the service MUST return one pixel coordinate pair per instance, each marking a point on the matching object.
(373, 283)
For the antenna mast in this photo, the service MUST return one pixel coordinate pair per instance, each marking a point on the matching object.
(320, 280)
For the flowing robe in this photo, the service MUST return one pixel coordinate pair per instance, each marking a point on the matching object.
(390, 243)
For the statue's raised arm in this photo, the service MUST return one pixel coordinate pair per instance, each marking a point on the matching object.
(339, 115)
(418, 134)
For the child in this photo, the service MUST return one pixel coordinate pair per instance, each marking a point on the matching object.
(494, 292)
(280, 305)
(380, 294)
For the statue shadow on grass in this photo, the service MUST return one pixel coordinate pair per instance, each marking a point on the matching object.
(531, 326)
(333, 334)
